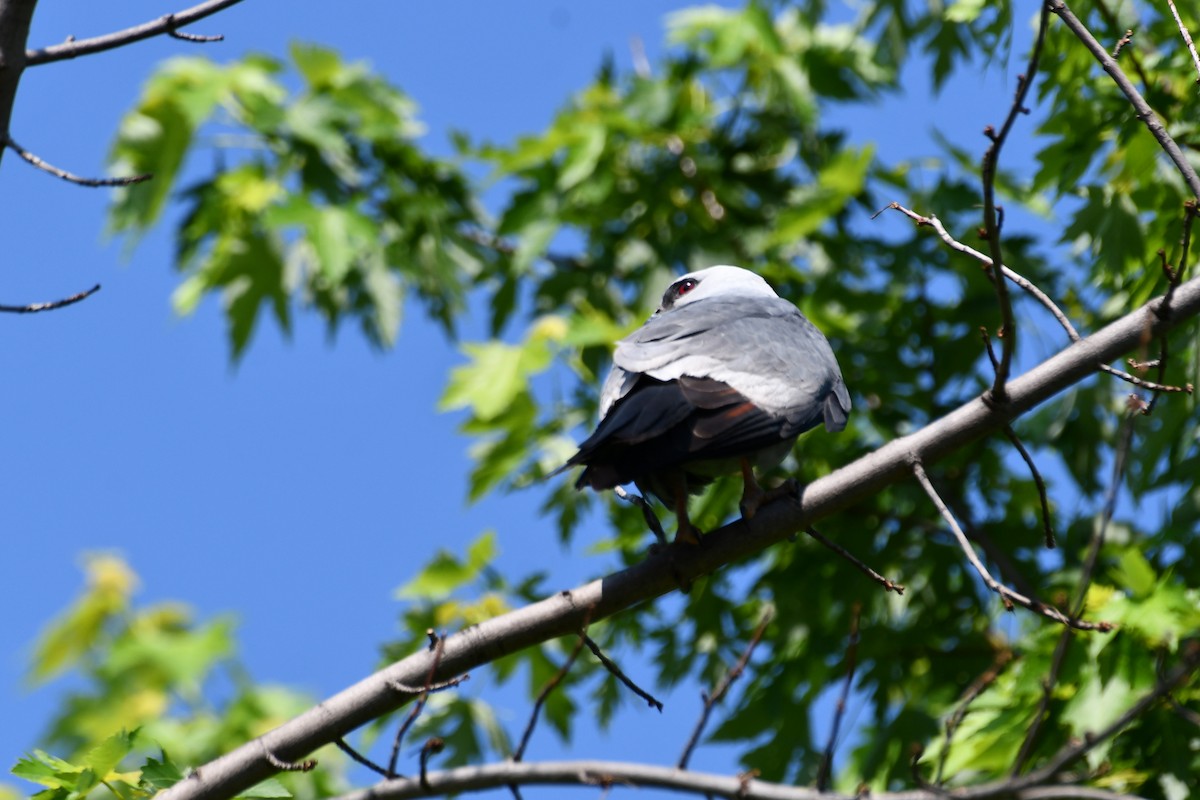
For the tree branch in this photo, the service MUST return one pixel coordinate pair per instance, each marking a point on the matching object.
(1007, 595)
(609, 773)
(438, 647)
(825, 770)
(720, 689)
(616, 672)
(69, 177)
(34, 308)
(550, 686)
(1038, 785)
(562, 613)
(887, 584)
(1081, 591)
(954, 244)
(1144, 112)
(992, 220)
(1047, 528)
(168, 24)
(1075, 750)
(15, 18)
(1187, 37)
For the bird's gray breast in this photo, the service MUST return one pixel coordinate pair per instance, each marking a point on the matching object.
(761, 346)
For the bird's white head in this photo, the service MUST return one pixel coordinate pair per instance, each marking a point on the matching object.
(719, 281)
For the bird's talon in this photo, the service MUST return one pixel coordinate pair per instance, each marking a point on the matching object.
(689, 535)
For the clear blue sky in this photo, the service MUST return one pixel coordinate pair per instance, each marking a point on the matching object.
(302, 488)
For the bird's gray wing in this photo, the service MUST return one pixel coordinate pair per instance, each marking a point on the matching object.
(764, 348)
(616, 385)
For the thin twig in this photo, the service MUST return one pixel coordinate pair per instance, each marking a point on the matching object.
(551, 685)
(1111, 19)
(968, 697)
(826, 768)
(1047, 529)
(720, 689)
(404, 688)
(307, 765)
(933, 222)
(359, 757)
(165, 24)
(1124, 40)
(70, 177)
(438, 649)
(987, 346)
(888, 585)
(992, 220)
(1144, 112)
(1174, 279)
(1187, 37)
(432, 747)
(1007, 596)
(616, 672)
(199, 38)
(963, 543)
(34, 308)
(1080, 600)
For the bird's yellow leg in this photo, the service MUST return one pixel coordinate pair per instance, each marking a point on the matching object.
(752, 494)
(686, 532)
(755, 497)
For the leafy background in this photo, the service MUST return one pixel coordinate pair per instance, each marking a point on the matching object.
(304, 484)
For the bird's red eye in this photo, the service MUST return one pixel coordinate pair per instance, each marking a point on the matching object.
(686, 286)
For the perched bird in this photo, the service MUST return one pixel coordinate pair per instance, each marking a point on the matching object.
(724, 376)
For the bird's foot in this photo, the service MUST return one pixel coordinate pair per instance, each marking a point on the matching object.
(755, 497)
(752, 494)
(688, 533)
(790, 489)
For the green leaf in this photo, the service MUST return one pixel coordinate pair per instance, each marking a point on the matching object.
(104, 757)
(964, 10)
(582, 156)
(446, 573)
(483, 551)
(1135, 573)
(63, 643)
(495, 376)
(161, 774)
(42, 768)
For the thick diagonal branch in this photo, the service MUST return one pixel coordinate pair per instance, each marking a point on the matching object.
(563, 613)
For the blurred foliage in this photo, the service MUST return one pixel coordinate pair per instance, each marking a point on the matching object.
(318, 196)
(150, 693)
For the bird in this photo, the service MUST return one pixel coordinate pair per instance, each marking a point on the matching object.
(723, 377)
